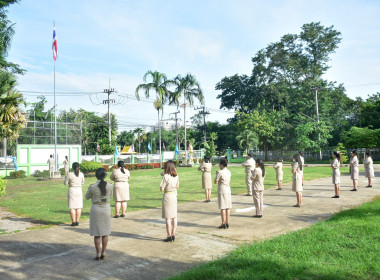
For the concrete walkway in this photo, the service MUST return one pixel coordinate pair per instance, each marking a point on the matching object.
(136, 250)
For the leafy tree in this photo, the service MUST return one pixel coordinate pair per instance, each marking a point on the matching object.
(210, 146)
(365, 137)
(313, 136)
(343, 152)
(140, 136)
(247, 139)
(125, 138)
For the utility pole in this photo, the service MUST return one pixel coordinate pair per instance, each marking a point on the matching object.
(108, 101)
(317, 110)
(176, 126)
(204, 113)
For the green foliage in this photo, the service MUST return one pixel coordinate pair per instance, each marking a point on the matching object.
(41, 174)
(312, 136)
(358, 137)
(210, 147)
(3, 185)
(343, 152)
(89, 166)
(247, 140)
(17, 174)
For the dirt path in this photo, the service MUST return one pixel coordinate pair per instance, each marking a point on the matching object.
(136, 250)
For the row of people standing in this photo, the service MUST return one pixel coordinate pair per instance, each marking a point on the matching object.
(354, 169)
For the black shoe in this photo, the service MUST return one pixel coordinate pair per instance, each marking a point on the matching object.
(173, 238)
(169, 239)
(257, 216)
(354, 190)
(227, 225)
(370, 186)
(73, 224)
(208, 201)
(116, 216)
(279, 189)
(248, 194)
(335, 196)
(77, 224)
(122, 216)
(222, 226)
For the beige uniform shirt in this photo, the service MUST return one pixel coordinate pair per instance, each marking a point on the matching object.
(223, 178)
(257, 179)
(73, 181)
(249, 165)
(169, 183)
(118, 176)
(96, 196)
(279, 173)
(51, 163)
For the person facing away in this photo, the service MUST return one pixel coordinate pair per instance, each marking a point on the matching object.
(297, 179)
(302, 162)
(223, 178)
(354, 169)
(169, 185)
(121, 188)
(100, 215)
(258, 175)
(75, 180)
(335, 165)
(279, 173)
(51, 163)
(249, 166)
(66, 165)
(205, 168)
(369, 171)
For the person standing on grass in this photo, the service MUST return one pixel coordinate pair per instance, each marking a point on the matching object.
(297, 179)
(223, 178)
(258, 175)
(51, 163)
(66, 165)
(335, 165)
(302, 160)
(121, 188)
(279, 173)
(205, 168)
(75, 180)
(354, 169)
(100, 214)
(369, 171)
(169, 185)
(249, 166)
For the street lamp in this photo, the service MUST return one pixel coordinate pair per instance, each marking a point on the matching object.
(317, 110)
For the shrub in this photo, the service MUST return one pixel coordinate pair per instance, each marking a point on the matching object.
(89, 166)
(44, 174)
(3, 184)
(62, 170)
(133, 166)
(17, 174)
(106, 167)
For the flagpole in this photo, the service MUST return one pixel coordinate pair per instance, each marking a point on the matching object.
(55, 124)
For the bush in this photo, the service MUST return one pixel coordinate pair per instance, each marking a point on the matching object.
(90, 166)
(142, 166)
(43, 174)
(106, 167)
(3, 184)
(62, 170)
(17, 174)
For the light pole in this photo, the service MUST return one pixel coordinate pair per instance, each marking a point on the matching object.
(109, 91)
(204, 113)
(317, 110)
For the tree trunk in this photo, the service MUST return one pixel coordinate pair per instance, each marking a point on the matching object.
(159, 132)
(266, 150)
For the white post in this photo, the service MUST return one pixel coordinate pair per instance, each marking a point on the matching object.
(55, 127)
(184, 123)
(316, 104)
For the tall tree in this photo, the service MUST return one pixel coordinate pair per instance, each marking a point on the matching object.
(139, 131)
(247, 139)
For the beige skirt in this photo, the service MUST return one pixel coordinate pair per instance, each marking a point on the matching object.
(169, 206)
(75, 198)
(279, 176)
(297, 185)
(100, 220)
(66, 168)
(121, 191)
(206, 181)
(355, 173)
(224, 201)
(369, 173)
(336, 176)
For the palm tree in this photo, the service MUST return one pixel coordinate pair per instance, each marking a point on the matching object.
(187, 87)
(139, 132)
(12, 118)
(159, 86)
(248, 139)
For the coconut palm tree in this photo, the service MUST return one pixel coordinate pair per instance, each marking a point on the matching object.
(12, 118)
(139, 132)
(247, 138)
(188, 88)
(158, 84)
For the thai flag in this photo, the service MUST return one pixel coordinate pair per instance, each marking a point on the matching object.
(55, 46)
(98, 147)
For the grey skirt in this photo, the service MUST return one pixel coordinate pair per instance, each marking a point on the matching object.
(100, 220)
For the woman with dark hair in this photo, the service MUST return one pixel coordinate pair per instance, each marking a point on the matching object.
(279, 173)
(297, 179)
(75, 180)
(354, 168)
(335, 165)
(258, 175)
(121, 188)
(302, 162)
(100, 214)
(369, 172)
(223, 178)
(66, 165)
(169, 185)
(206, 167)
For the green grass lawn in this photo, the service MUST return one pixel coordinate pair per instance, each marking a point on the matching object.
(347, 246)
(46, 201)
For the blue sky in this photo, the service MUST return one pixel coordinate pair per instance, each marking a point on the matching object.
(121, 40)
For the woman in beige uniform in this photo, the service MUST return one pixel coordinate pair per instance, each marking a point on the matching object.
(297, 179)
(258, 175)
(66, 165)
(335, 165)
(279, 173)
(206, 177)
(100, 214)
(75, 180)
(169, 185)
(354, 169)
(223, 178)
(369, 171)
(121, 188)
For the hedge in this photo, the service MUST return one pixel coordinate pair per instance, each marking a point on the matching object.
(3, 184)
(89, 166)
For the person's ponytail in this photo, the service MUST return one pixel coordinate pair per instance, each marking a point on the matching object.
(101, 175)
(75, 167)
